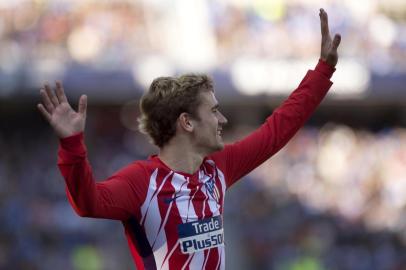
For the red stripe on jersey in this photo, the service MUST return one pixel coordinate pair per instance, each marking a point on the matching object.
(165, 204)
(176, 259)
(213, 260)
(179, 214)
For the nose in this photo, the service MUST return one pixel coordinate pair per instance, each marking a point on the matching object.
(222, 119)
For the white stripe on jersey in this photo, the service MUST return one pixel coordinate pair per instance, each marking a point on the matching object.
(152, 218)
(151, 191)
(159, 236)
(197, 261)
(205, 259)
(165, 264)
(191, 200)
(222, 256)
(179, 183)
(201, 174)
(223, 184)
(152, 194)
(187, 261)
(184, 204)
(220, 264)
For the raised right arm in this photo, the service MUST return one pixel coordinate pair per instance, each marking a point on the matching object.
(119, 196)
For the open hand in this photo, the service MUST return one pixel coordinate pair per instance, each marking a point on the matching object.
(329, 46)
(57, 111)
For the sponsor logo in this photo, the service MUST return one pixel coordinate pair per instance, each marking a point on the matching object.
(201, 234)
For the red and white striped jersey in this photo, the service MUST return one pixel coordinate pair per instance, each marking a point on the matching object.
(174, 220)
(172, 200)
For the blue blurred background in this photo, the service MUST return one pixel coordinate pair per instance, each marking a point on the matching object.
(334, 198)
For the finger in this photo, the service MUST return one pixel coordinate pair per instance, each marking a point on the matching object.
(60, 93)
(82, 105)
(44, 112)
(51, 95)
(46, 100)
(336, 41)
(324, 23)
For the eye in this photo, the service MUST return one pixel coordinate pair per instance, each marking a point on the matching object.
(215, 109)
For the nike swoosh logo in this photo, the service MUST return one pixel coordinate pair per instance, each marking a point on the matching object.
(169, 200)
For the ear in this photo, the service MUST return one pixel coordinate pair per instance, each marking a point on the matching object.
(185, 122)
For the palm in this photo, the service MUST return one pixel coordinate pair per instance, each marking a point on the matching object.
(64, 120)
(329, 46)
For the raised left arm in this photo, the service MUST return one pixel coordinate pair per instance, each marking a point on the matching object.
(239, 158)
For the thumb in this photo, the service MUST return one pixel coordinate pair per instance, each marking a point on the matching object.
(82, 105)
(336, 41)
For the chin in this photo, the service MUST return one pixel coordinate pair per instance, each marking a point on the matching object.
(219, 146)
(215, 148)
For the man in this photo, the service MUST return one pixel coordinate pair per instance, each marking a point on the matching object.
(171, 205)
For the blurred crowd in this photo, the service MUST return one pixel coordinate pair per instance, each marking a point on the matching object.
(352, 173)
(333, 199)
(42, 39)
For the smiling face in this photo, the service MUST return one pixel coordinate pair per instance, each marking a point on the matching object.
(209, 125)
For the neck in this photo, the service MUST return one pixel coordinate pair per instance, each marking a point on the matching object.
(181, 157)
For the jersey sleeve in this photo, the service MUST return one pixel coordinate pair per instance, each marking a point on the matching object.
(242, 157)
(118, 197)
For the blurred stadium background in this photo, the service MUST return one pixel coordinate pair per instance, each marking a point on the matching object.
(334, 198)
